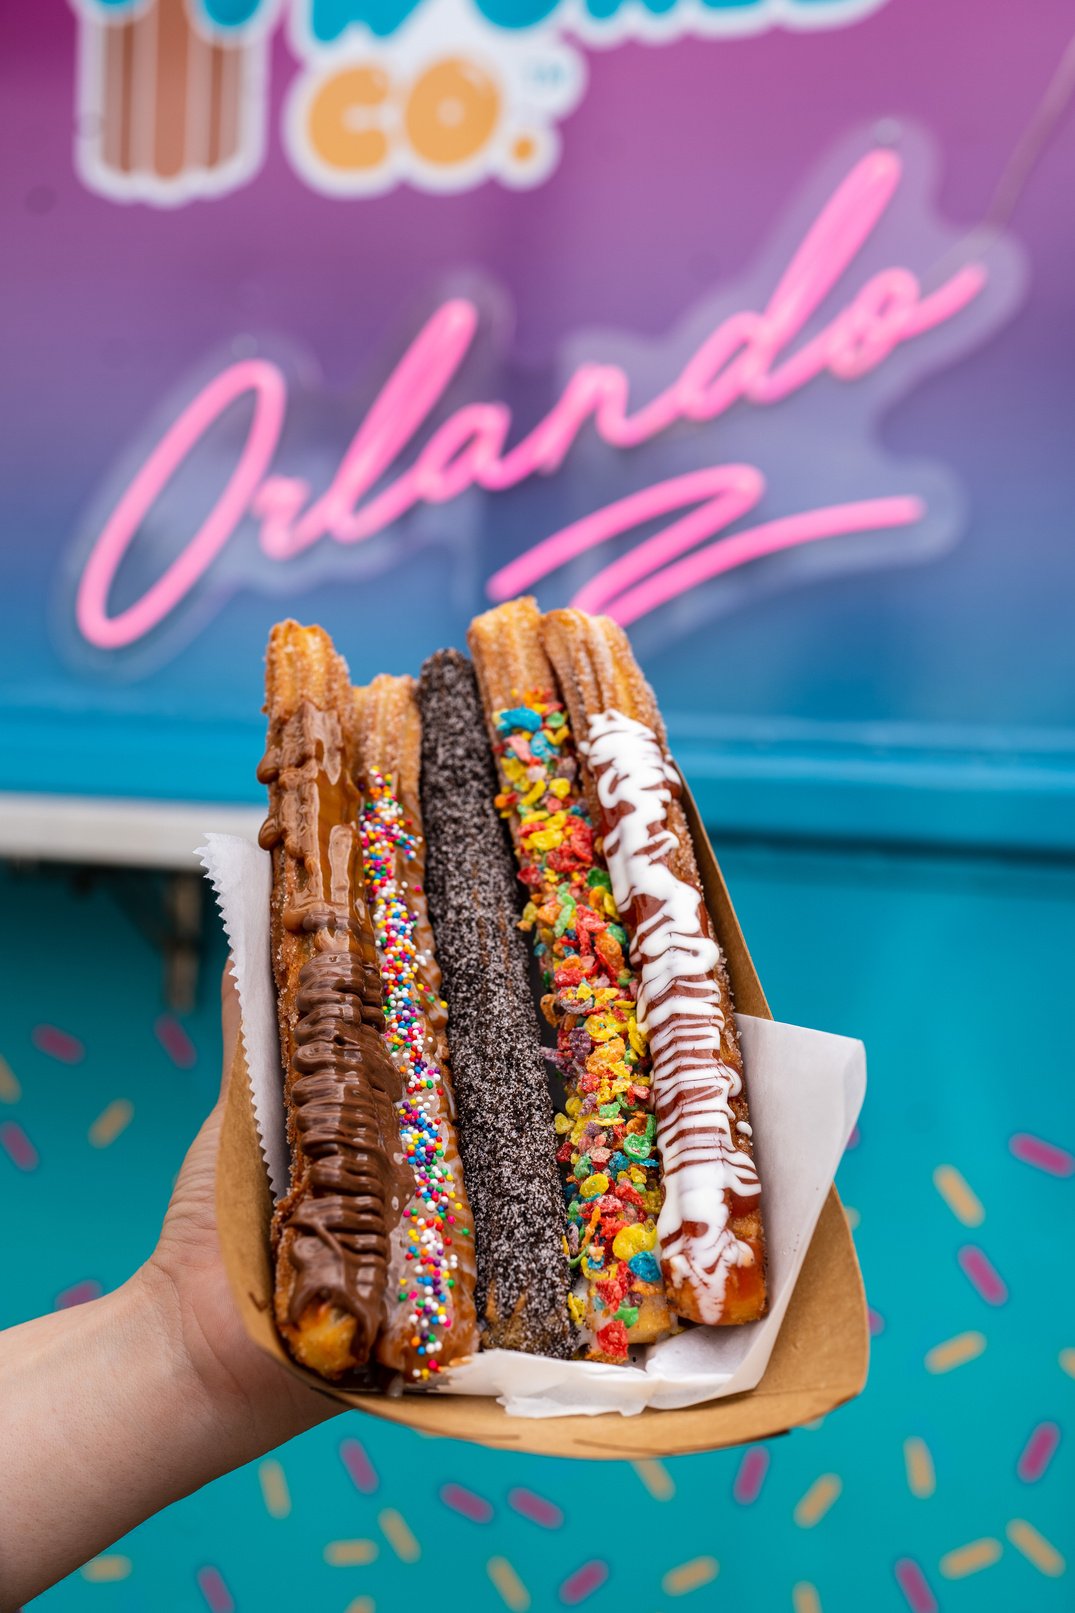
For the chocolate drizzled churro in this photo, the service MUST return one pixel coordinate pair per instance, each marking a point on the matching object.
(505, 1111)
(348, 1175)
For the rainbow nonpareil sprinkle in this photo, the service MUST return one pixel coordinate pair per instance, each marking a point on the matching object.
(430, 1220)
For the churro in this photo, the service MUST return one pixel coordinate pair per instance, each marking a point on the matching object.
(430, 1318)
(348, 1176)
(710, 1229)
(607, 1127)
(506, 1132)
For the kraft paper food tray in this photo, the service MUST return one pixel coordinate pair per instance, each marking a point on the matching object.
(819, 1360)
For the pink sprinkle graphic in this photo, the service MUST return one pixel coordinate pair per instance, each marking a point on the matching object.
(1044, 1156)
(583, 1582)
(58, 1044)
(79, 1294)
(751, 1475)
(875, 1321)
(854, 1139)
(1038, 1452)
(981, 1272)
(175, 1042)
(359, 1466)
(217, 1596)
(466, 1503)
(912, 1582)
(535, 1507)
(18, 1147)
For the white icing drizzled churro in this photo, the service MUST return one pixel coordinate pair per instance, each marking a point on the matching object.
(705, 1173)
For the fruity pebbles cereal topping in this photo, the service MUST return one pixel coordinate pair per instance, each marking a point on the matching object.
(607, 1129)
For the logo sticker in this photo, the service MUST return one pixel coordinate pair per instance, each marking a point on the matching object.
(174, 95)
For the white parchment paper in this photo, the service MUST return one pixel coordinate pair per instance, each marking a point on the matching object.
(241, 875)
(806, 1088)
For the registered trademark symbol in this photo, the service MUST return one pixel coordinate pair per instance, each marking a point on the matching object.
(549, 71)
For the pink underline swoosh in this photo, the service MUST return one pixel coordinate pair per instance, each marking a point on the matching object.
(790, 532)
(610, 522)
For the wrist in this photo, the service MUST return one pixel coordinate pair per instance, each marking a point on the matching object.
(169, 1382)
(248, 1402)
(214, 1395)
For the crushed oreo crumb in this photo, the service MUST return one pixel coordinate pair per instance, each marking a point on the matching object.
(506, 1136)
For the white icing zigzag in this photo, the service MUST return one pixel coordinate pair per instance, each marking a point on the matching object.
(679, 1009)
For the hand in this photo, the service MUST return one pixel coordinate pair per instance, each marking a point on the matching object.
(187, 1283)
(161, 1364)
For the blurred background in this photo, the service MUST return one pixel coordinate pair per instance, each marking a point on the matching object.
(774, 302)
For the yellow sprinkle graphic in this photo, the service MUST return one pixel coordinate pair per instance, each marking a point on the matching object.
(10, 1090)
(690, 1576)
(804, 1599)
(657, 1479)
(853, 1217)
(1067, 1361)
(102, 1570)
(513, 1593)
(817, 1500)
(398, 1534)
(961, 1199)
(970, 1559)
(1035, 1548)
(361, 1604)
(350, 1553)
(274, 1489)
(111, 1121)
(921, 1479)
(955, 1352)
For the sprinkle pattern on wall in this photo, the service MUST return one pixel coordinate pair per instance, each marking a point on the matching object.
(908, 1499)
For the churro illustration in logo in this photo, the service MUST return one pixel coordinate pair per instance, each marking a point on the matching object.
(172, 96)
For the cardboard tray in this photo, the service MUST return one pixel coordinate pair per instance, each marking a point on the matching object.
(821, 1355)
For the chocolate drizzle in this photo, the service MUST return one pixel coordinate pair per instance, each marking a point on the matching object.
(342, 1103)
(349, 1179)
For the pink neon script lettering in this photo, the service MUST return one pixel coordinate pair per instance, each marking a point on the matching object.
(399, 411)
(91, 605)
(468, 450)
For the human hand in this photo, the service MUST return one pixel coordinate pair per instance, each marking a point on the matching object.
(185, 1281)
